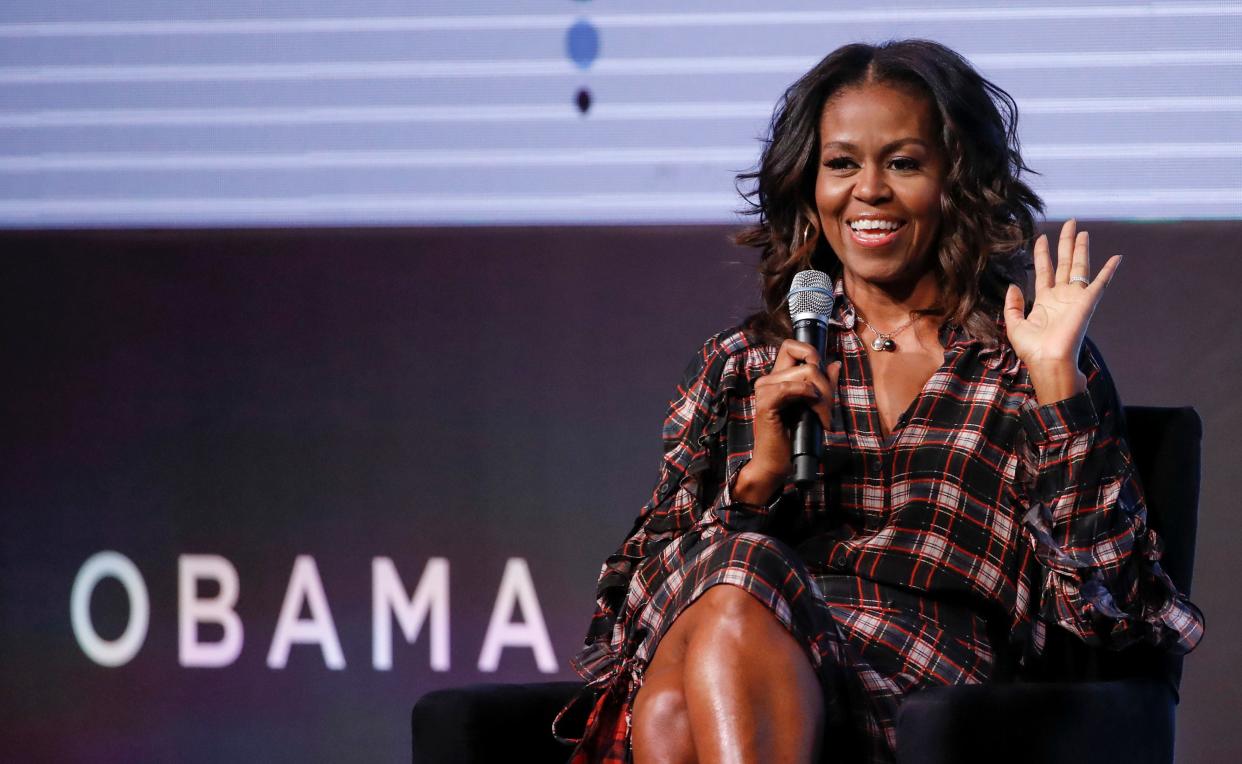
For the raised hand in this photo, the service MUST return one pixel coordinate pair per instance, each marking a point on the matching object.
(1049, 339)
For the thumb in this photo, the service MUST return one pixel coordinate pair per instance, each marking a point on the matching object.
(823, 407)
(1014, 307)
(834, 373)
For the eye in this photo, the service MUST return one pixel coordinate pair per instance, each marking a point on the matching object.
(839, 163)
(904, 164)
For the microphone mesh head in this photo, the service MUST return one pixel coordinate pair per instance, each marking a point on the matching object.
(811, 292)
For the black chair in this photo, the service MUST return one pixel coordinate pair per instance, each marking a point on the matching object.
(1082, 704)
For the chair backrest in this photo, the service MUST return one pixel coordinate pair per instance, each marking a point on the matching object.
(1165, 444)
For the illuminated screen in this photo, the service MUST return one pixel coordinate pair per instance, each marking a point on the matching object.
(290, 113)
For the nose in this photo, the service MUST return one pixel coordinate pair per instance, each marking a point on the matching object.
(870, 186)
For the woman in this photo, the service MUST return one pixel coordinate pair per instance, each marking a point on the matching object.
(975, 481)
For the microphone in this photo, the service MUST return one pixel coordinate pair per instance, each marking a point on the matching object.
(810, 304)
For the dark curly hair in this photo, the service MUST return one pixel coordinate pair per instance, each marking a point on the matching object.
(987, 212)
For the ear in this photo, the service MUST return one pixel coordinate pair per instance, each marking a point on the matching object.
(805, 234)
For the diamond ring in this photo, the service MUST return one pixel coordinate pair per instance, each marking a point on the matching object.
(1080, 280)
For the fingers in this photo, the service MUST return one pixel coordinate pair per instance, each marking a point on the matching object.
(804, 384)
(1096, 289)
(1065, 251)
(1080, 266)
(1073, 257)
(792, 353)
(774, 399)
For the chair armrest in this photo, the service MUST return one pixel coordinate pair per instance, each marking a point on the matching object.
(1085, 722)
(489, 723)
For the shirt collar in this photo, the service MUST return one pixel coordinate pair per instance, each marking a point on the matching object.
(842, 309)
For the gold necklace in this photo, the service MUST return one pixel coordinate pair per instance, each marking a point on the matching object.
(883, 340)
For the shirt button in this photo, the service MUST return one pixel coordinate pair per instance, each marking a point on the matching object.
(876, 464)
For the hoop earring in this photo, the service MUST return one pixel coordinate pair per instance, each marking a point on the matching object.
(799, 243)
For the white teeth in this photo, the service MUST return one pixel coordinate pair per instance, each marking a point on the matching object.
(874, 225)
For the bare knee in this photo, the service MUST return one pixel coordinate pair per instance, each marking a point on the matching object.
(660, 705)
(751, 685)
(733, 616)
(738, 633)
(661, 731)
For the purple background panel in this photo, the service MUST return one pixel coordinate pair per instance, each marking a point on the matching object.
(474, 394)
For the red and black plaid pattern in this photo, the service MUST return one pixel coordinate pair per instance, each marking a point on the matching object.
(981, 502)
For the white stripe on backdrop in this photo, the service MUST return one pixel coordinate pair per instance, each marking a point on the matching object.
(303, 117)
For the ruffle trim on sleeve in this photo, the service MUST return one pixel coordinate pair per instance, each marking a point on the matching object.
(721, 444)
(698, 446)
(1160, 615)
(1084, 603)
(1038, 519)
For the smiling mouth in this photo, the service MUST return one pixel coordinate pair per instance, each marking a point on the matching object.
(875, 233)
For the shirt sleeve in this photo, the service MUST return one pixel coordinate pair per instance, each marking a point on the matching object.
(1086, 518)
(692, 489)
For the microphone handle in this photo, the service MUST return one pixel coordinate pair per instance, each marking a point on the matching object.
(808, 438)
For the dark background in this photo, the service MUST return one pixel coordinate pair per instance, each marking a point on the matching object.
(469, 393)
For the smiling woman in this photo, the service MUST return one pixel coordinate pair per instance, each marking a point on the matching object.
(976, 486)
(879, 183)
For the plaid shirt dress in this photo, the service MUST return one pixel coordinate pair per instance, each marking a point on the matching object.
(981, 513)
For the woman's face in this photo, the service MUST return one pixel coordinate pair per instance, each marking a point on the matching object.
(878, 187)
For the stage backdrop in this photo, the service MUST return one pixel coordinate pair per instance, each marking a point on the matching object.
(313, 112)
(241, 466)
(262, 489)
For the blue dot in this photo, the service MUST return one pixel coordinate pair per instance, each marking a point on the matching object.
(582, 43)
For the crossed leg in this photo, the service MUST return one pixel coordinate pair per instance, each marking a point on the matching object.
(728, 683)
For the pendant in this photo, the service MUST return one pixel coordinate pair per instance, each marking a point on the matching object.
(883, 343)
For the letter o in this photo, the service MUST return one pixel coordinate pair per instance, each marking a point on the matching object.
(121, 650)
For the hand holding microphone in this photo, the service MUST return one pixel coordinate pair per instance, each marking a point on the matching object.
(793, 403)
